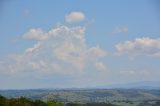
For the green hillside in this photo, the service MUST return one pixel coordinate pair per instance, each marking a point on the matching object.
(116, 96)
(23, 101)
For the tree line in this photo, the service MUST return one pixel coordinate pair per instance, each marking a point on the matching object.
(23, 101)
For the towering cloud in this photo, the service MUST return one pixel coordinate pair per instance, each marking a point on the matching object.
(61, 50)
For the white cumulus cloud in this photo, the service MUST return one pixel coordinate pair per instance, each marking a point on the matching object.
(140, 46)
(36, 34)
(61, 50)
(75, 17)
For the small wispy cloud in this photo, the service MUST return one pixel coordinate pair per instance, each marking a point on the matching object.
(26, 12)
(117, 30)
(100, 66)
(74, 17)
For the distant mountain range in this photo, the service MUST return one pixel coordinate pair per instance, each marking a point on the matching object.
(134, 85)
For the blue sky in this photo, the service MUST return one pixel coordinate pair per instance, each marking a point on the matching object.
(82, 43)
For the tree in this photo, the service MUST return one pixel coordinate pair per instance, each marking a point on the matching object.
(3, 101)
(54, 103)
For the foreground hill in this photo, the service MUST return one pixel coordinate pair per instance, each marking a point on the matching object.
(23, 101)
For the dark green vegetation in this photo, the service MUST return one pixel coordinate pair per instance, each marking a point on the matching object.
(22, 101)
(89, 97)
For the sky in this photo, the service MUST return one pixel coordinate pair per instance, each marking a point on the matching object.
(78, 44)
